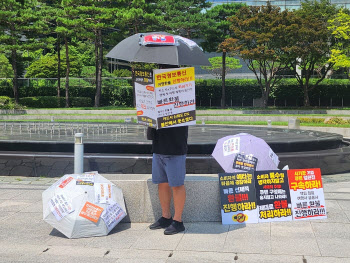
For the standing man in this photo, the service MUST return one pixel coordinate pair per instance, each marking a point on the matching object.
(169, 147)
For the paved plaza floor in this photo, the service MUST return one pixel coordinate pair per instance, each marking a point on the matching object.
(25, 237)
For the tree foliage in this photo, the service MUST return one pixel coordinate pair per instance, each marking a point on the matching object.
(218, 28)
(184, 18)
(258, 40)
(310, 43)
(6, 70)
(216, 66)
(340, 28)
(20, 26)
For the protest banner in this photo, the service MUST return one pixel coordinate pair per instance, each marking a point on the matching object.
(165, 97)
(306, 191)
(273, 197)
(238, 199)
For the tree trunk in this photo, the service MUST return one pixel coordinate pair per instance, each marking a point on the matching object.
(306, 97)
(14, 80)
(99, 68)
(58, 66)
(67, 72)
(223, 75)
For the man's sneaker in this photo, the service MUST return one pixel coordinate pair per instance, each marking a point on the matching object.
(161, 223)
(174, 228)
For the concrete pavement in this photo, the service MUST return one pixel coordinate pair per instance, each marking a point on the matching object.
(25, 237)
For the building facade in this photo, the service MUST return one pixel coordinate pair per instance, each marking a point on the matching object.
(283, 4)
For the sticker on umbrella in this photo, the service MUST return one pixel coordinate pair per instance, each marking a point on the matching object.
(75, 204)
(239, 147)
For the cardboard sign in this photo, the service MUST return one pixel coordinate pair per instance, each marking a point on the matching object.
(165, 97)
(60, 206)
(273, 196)
(306, 191)
(245, 162)
(238, 198)
(91, 212)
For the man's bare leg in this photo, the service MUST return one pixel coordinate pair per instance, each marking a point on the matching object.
(164, 193)
(179, 195)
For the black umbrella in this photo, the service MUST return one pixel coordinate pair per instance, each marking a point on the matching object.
(159, 48)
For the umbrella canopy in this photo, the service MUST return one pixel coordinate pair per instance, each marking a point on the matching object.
(254, 151)
(83, 205)
(159, 48)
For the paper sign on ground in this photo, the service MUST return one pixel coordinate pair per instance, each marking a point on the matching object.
(165, 97)
(273, 197)
(238, 199)
(306, 191)
(91, 212)
(112, 215)
(103, 193)
(60, 206)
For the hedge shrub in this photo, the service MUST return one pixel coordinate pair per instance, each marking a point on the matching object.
(54, 102)
(118, 92)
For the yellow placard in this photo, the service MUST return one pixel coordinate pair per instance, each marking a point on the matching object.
(177, 76)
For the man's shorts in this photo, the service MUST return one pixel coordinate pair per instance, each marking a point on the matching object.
(169, 169)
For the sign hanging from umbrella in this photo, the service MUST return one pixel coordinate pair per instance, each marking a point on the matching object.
(159, 48)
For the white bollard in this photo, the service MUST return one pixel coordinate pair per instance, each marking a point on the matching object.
(78, 153)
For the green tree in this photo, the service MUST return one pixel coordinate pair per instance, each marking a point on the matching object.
(340, 28)
(46, 67)
(218, 26)
(6, 70)
(258, 39)
(67, 27)
(20, 24)
(185, 18)
(216, 68)
(310, 44)
(217, 31)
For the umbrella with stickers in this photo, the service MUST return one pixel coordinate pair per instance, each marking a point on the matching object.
(244, 152)
(83, 205)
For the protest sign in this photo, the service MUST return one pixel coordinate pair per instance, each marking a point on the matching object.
(60, 206)
(306, 191)
(112, 215)
(238, 199)
(273, 197)
(91, 212)
(103, 193)
(165, 97)
(245, 162)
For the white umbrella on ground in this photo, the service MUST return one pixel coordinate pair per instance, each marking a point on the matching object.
(83, 205)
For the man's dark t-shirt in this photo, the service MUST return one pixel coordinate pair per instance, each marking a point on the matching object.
(169, 141)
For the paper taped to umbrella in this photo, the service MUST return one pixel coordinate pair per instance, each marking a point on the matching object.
(165, 97)
(83, 205)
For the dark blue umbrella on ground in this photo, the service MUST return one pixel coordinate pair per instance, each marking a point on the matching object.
(159, 48)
